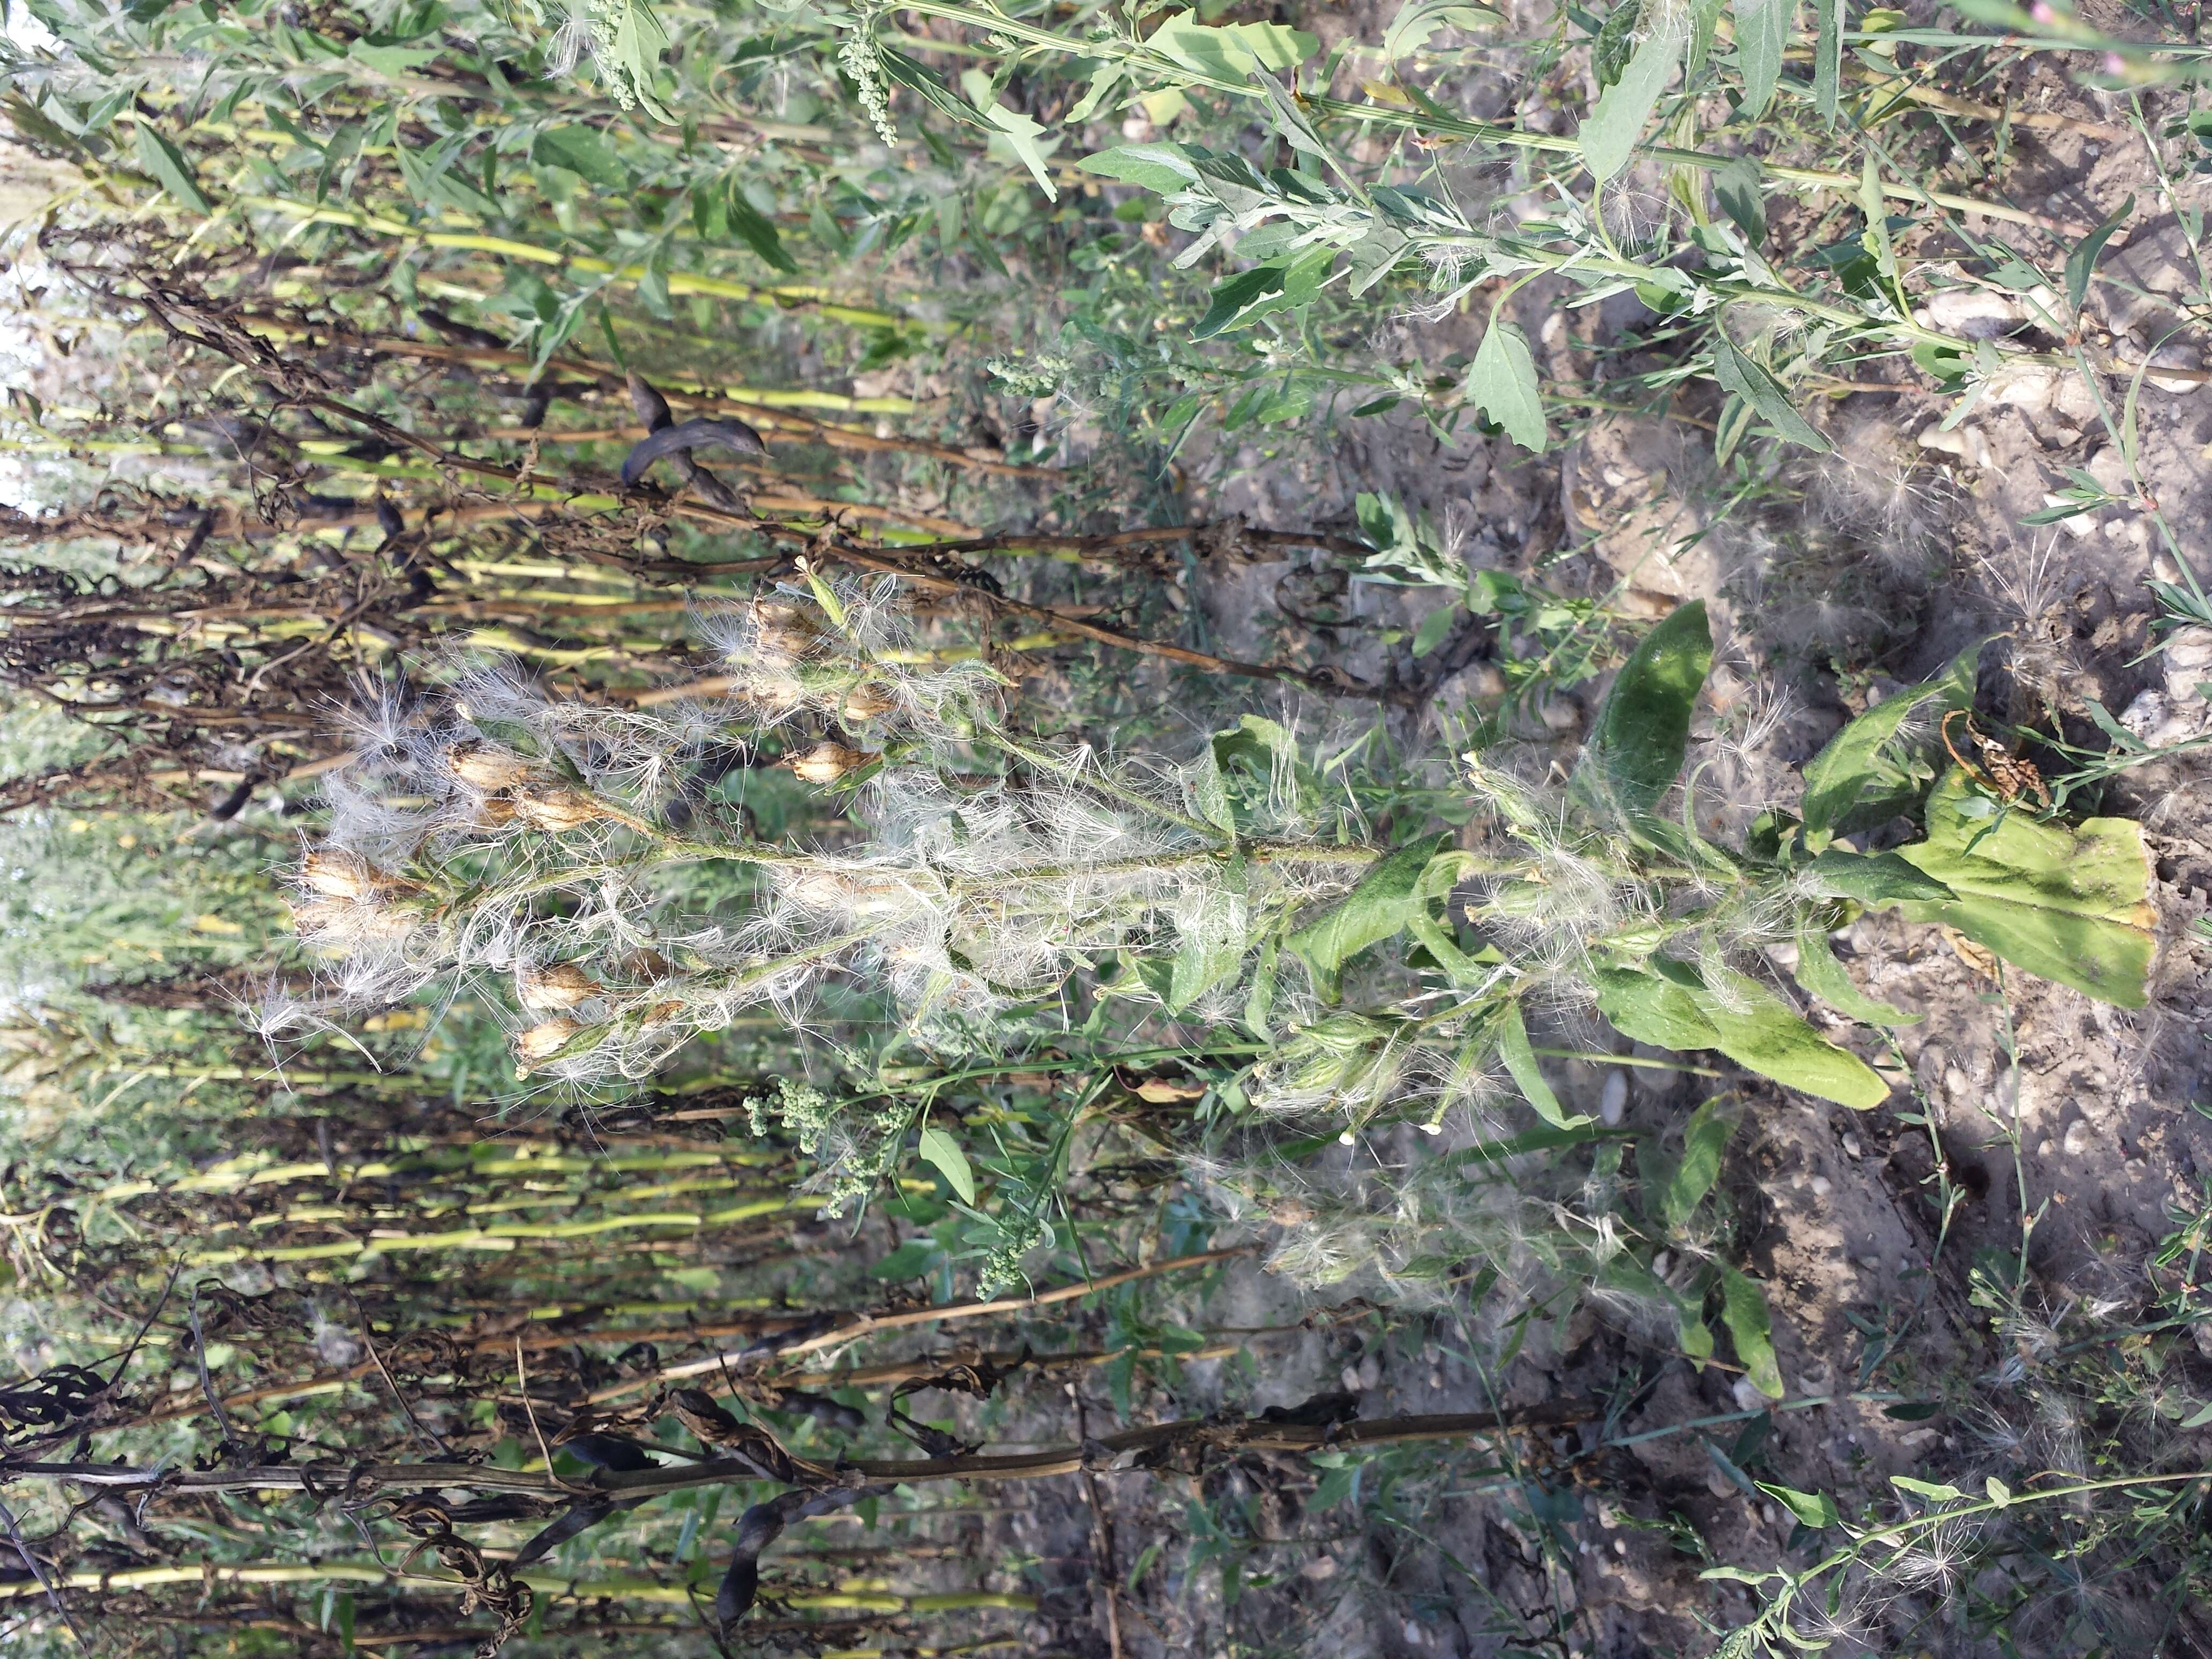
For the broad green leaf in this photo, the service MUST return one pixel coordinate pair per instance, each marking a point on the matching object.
(1750, 380)
(1703, 1139)
(1241, 299)
(1743, 1310)
(1377, 909)
(1209, 790)
(1436, 627)
(1623, 1272)
(1823, 976)
(1870, 877)
(1020, 133)
(1209, 952)
(1867, 775)
(1521, 1060)
(1827, 57)
(2070, 905)
(1233, 53)
(2000, 1494)
(1502, 383)
(1929, 1489)
(392, 62)
(1672, 1007)
(1636, 749)
(1161, 168)
(167, 163)
(584, 152)
(1654, 1009)
(941, 1150)
(1608, 138)
(1762, 33)
(1417, 20)
(1815, 1508)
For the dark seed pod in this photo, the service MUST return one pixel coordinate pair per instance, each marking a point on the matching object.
(686, 435)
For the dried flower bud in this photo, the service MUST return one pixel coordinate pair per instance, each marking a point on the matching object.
(343, 875)
(649, 965)
(661, 1012)
(495, 812)
(864, 702)
(784, 630)
(563, 985)
(557, 809)
(546, 1038)
(826, 762)
(484, 766)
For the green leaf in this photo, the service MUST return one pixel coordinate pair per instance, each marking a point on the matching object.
(1615, 43)
(757, 232)
(904, 71)
(1928, 1489)
(2070, 905)
(1608, 138)
(2081, 263)
(584, 152)
(1653, 1009)
(941, 1150)
(1377, 909)
(1502, 383)
(1814, 1509)
(1521, 1060)
(1743, 1310)
(167, 163)
(1823, 976)
(1870, 877)
(1436, 627)
(1642, 732)
(1762, 31)
(1239, 300)
(1703, 1139)
(1827, 57)
(1750, 381)
(1671, 1006)
(1233, 53)
(2000, 1493)
(1865, 776)
(1417, 20)
(1161, 168)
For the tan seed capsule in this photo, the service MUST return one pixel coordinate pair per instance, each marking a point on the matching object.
(495, 812)
(546, 1038)
(343, 875)
(826, 762)
(558, 809)
(661, 1012)
(864, 702)
(484, 766)
(563, 985)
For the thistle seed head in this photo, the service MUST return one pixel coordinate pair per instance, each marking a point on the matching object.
(546, 1039)
(484, 766)
(561, 986)
(553, 809)
(826, 762)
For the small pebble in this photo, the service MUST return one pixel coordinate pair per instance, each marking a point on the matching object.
(1852, 1145)
(1822, 1186)
(2077, 1137)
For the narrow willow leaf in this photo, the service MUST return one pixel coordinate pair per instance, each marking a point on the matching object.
(2070, 905)
(1636, 746)
(167, 163)
(941, 1150)
(1750, 381)
(1502, 383)
(1823, 976)
(1703, 1139)
(1928, 1489)
(1608, 138)
(2081, 263)
(1521, 1060)
(1743, 1310)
